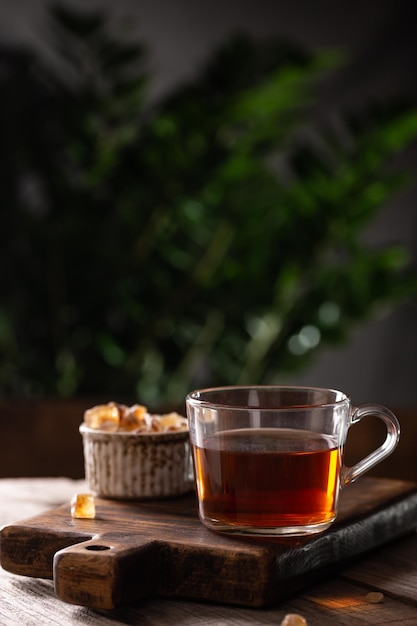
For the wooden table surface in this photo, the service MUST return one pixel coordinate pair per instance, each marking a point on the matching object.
(341, 600)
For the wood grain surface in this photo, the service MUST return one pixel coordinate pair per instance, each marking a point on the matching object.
(340, 599)
(132, 551)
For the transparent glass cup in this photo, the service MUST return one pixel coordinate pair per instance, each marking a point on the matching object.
(268, 460)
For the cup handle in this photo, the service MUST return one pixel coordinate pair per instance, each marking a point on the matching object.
(350, 474)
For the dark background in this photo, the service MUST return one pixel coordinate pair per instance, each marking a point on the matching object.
(379, 363)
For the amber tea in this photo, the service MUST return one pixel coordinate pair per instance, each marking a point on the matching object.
(268, 477)
(269, 459)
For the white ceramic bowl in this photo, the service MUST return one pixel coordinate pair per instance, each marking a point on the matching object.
(128, 465)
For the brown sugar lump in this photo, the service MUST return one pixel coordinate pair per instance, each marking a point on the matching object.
(83, 506)
(294, 619)
(132, 454)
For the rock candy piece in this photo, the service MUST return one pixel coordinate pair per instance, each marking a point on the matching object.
(375, 597)
(83, 506)
(133, 418)
(173, 421)
(154, 424)
(103, 416)
(293, 619)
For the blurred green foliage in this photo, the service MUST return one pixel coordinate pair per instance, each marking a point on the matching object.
(149, 248)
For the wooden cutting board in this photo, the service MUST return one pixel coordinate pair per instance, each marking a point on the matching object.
(134, 550)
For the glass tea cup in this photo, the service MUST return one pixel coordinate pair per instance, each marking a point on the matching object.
(268, 460)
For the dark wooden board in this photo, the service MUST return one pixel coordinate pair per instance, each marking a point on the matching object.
(134, 550)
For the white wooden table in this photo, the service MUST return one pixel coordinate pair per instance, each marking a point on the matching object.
(340, 601)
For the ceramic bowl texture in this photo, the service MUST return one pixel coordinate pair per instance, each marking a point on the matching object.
(128, 465)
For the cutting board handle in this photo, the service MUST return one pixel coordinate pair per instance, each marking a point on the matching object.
(106, 571)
